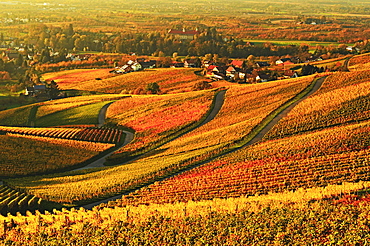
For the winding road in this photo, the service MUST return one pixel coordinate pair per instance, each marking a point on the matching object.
(258, 137)
(129, 136)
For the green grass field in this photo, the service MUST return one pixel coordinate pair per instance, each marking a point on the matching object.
(84, 115)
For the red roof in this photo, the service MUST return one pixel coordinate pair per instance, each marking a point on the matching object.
(286, 63)
(237, 63)
(211, 67)
(183, 32)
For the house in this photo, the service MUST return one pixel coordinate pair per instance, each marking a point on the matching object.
(262, 64)
(290, 74)
(235, 73)
(190, 63)
(184, 34)
(352, 49)
(36, 90)
(148, 64)
(206, 64)
(231, 71)
(30, 91)
(216, 72)
(177, 64)
(136, 66)
(262, 78)
(283, 61)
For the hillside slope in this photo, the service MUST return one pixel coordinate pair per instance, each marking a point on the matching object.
(244, 108)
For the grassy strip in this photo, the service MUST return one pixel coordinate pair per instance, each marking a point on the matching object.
(83, 115)
(32, 116)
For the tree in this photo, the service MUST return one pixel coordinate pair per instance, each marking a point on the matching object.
(164, 62)
(201, 85)
(153, 88)
(19, 60)
(54, 89)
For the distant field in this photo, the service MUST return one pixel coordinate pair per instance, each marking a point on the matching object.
(290, 42)
(67, 77)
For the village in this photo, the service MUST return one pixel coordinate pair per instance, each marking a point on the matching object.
(239, 71)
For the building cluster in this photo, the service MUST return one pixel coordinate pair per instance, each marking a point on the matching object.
(134, 65)
(240, 71)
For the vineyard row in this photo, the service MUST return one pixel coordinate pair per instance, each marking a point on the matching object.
(12, 201)
(102, 135)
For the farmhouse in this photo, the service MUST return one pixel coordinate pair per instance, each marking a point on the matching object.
(177, 64)
(262, 64)
(36, 90)
(284, 61)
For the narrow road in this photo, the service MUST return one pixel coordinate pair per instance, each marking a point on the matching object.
(219, 101)
(129, 136)
(284, 113)
(103, 114)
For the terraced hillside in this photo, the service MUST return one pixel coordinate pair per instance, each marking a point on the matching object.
(323, 140)
(188, 150)
(306, 180)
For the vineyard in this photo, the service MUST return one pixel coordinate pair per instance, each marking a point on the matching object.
(182, 181)
(52, 107)
(12, 201)
(359, 62)
(31, 155)
(170, 81)
(73, 115)
(338, 102)
(281, 219)
(309, 160)
(198, 145)
(17, 116)
(99, 135)
(157, 119)
(68, 77)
